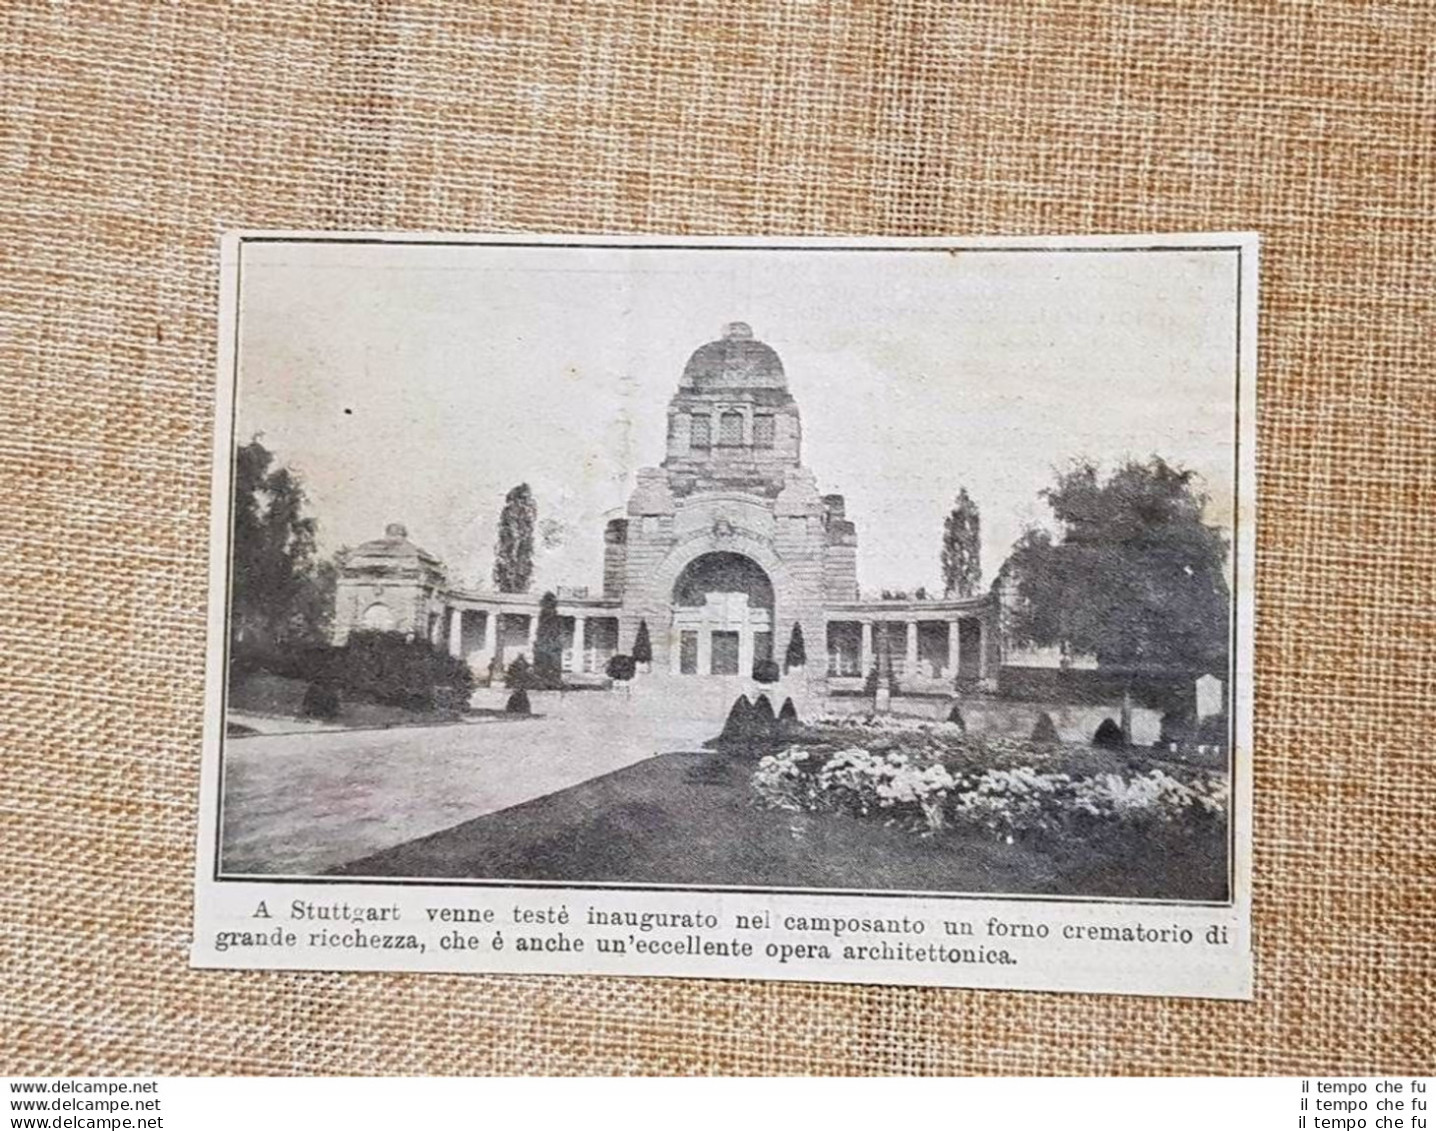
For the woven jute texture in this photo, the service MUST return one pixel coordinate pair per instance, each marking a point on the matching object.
(134, 133)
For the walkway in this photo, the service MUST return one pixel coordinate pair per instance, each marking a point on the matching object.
(302, 803)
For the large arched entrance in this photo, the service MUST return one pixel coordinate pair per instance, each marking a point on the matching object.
(722, 615)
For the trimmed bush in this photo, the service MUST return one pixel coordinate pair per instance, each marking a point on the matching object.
(321, 701)
(548, 645)
(788, 714)
(1108, 736)
(1176, 727)
(621, 668)
(518, 703)
(739, 724)
(1213, 731)
(955, 716)
(1045, 730)
(763, 721)
(642, 646)
(766, 671)
(520, 675)
(797, 655)
(387, 668)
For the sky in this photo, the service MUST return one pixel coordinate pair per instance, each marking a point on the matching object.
(417, 384)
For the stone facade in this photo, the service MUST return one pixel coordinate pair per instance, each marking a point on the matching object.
(727, 545)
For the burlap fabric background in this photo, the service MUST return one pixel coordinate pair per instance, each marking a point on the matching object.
(135, 133)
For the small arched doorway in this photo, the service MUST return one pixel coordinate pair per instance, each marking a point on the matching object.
(722, 615)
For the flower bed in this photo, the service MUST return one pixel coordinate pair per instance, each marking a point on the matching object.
(928, 776)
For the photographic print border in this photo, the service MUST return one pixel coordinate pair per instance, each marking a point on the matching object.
(1242, 247)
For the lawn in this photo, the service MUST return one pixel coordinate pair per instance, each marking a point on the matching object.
(693, 819)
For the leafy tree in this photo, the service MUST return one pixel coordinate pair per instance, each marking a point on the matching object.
(514, 557)
(962, 547)
(280, 596)
(797, 654)
(1134, 576)
(642, 646)
(548, 644)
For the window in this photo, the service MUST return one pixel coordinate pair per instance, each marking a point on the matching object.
(762, 431)
(700, 435)
(724, 657)
(730, 430)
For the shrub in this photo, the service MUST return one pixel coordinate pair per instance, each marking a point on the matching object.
(621, 668)
(642, 646)
(387, 668)
(788, 715)
(766, 671)
(520, 676)
(763, 721)
(870, 684)
(548, 645)
(738, 726)
(1212, 731)
(797, 654)
(955, 716)
(518, 703)
(321, 701)
(1176, 726)
(1045, 730)
(1108, 736)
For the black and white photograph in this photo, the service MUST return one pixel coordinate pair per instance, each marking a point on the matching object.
(809, 568)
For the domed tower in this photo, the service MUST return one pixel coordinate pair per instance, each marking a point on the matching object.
(732, 425)
(727, 547)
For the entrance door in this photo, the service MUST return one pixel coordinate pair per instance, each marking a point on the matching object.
(725, 653)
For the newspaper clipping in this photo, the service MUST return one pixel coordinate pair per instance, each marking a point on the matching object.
(843, 610)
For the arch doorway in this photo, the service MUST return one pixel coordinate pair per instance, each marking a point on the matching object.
(722, 615)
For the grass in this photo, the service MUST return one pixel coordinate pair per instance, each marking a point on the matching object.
(692, 819)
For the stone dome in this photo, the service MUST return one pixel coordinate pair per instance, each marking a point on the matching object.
(737, 360)
(394, 548)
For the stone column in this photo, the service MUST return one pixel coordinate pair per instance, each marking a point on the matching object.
(745, 650)
(580, 643)
(533, 634)
(865, 650)
(981, 649)
(705, 650)
(910, 659)
(456, 633)
(954, 648)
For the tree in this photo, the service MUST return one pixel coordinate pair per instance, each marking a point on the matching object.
(548, 644)
(514, 556)
(642, 646)
(797, 654)
(519, 675)
(1134, 577)
(280, 596)
(962, 547)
